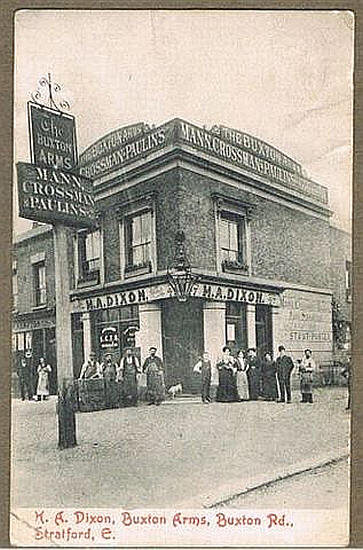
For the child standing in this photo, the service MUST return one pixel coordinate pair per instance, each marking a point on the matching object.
(204, 367)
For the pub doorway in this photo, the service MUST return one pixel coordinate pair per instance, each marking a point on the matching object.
(183, 341)
(263, 329)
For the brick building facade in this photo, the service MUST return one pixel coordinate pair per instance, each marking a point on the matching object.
(257, 233)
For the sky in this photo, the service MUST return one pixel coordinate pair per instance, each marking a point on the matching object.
(285, 77)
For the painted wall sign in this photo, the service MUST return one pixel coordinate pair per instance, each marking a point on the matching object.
(31, 324)
(111, 142)
(50, 196)
(211, 143)
(116, 150)
(305, 321)
(259, 148)
(148, 143)
(162, 291)
(52, 138)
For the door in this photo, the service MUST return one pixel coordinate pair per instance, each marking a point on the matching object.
(263, 329)
(182, 326)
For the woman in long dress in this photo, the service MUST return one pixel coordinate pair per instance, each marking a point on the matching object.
(269, 381)
(43, 371)
(242, 381)
(227, 385)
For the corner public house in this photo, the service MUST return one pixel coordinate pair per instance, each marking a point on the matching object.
(257, 234)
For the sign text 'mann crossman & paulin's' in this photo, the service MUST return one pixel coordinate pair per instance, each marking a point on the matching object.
(143, 295)
(47, 194)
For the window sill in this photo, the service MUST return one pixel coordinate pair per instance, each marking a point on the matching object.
(235, 268)
(82, 283)
(133, 271)
(42, 306)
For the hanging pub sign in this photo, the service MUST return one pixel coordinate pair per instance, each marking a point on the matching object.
(50, 196)
(52, 138)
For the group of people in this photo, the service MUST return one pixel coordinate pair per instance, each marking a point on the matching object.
(121, 379)
(247, 377)
(39, 390)
(244, 377)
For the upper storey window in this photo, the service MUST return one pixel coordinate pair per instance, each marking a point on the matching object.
(138, 240)
(89, 256)
(233, 241)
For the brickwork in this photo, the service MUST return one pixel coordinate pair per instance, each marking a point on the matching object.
(165, 188)
(286, 244)
(38, 242)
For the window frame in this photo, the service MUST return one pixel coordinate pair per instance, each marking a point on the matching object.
(241, 213)
(40, 291)
(127, 211)
(129, 247)
(86, 276)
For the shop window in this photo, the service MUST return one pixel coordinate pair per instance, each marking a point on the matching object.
(40, 284)
(115, 329)
(15, 285)
(348, 280)
(23, 341)
(138, 242)
(89, 254)
(236, 326)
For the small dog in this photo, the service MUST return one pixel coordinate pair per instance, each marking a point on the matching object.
(173, 390)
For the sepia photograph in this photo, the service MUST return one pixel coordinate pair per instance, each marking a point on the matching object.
(181, 277)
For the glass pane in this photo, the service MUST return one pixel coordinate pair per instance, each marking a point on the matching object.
(137, 256)
(146, 227)
(146, 252)
(92, 245)
(20, 341)
(233, 236)
(225, 255)
(224, 234)
(28, 340)
(136, 230)
(41, 276)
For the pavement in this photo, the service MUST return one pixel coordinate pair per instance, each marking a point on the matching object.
(181, 454)
(324, 488)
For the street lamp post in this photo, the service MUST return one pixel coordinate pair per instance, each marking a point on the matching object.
(179, 272)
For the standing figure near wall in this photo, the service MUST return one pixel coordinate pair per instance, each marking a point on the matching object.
(128, 370)
(269, 381)
(253, 374)
(227, 385)
(25, 379)
(204, 368)
(307, 371)
(109, 369)
(285, 367)
(43, 371)
(242, 380)
(154, 369)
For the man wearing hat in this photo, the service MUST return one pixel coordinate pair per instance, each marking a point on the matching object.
(154, 369)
